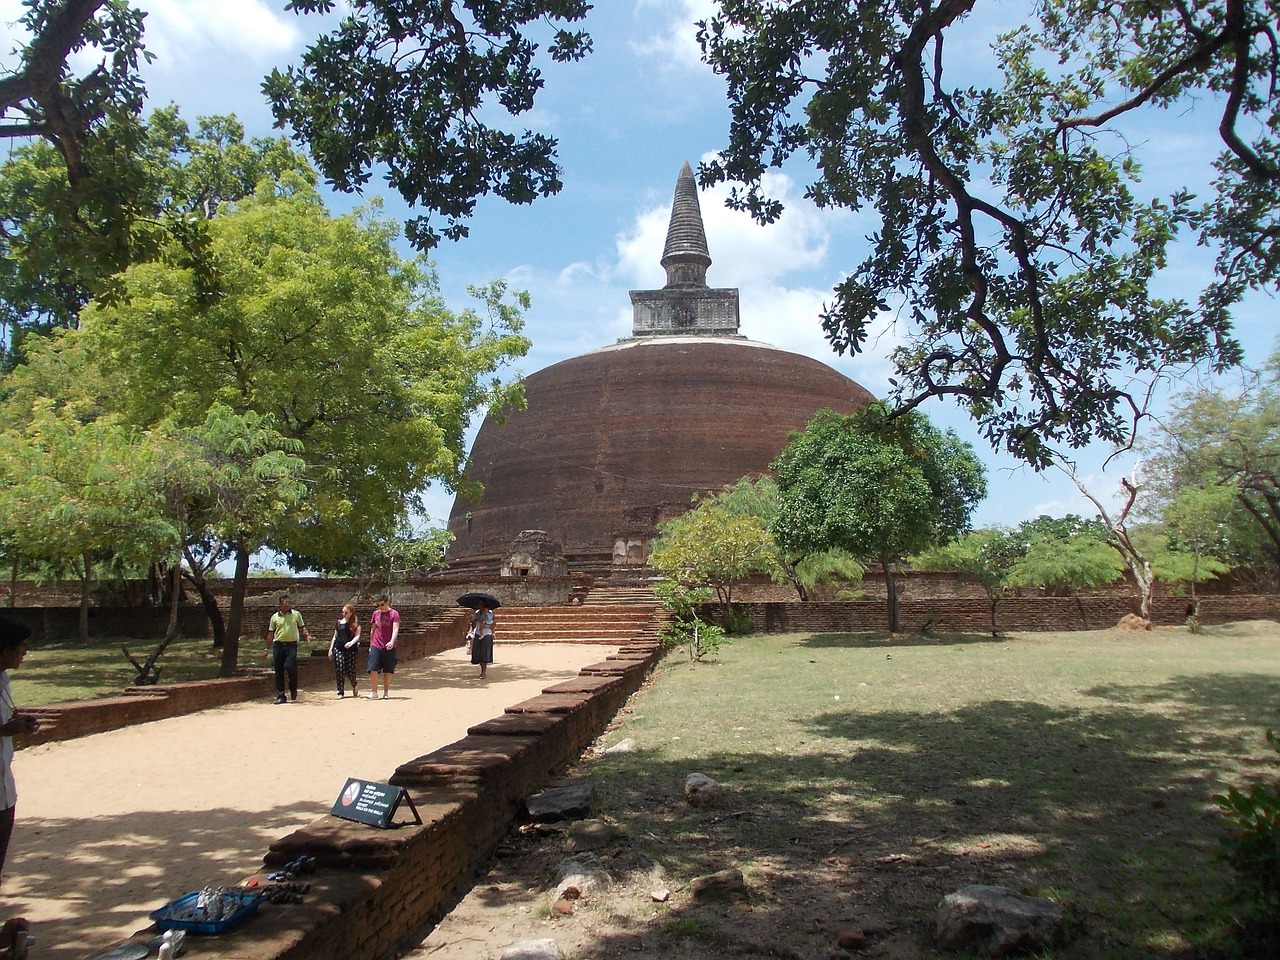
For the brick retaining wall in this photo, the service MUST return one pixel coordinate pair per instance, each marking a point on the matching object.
(376, 892)
(955, 615)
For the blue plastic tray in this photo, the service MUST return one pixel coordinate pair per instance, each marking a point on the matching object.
(248, 905)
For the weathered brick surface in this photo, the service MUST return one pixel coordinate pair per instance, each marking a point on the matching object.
(609, 402)
(1015, 613)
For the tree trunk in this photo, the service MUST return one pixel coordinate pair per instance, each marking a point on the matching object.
(995, 602)
(892, 592)
(208, 601)
(175, 591)
(86, 587)
(235, 616)
(13, 583)
(148, 672)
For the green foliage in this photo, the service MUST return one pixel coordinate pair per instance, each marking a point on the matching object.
(712, 546)
(392, 559)
(1176, 567)
(63, 244)
(411, 89)
(702, 640)
(989, 556)
(877, 487)
(1253, 845)
(414, 88)
(1214, 473)
(736, 620)
(758, 497)
(1010, 224)
(323, 325)
(1064, 554)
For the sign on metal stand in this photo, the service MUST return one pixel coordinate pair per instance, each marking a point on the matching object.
(365, 801)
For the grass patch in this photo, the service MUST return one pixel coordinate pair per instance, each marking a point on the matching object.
(64, 671)
(873, 776)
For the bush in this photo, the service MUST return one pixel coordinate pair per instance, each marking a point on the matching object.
(736, 620)
(702, 640)
(1253, 845)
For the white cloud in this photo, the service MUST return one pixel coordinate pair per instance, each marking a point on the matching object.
(674, 44)
(184, 33)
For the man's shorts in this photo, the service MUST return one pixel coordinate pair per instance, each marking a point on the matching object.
(381, 660)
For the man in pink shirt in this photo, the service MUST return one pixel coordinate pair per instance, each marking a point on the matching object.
(385, 624)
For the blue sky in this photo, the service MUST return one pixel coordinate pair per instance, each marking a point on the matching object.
(626, 119)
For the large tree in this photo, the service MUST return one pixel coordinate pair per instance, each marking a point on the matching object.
(1217, 436)
(73, 494)
(62, 244)
(1012, 236)
(877, 487)
(320, 325)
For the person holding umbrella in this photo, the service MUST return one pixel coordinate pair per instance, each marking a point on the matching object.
(482, 644)
(481, 633)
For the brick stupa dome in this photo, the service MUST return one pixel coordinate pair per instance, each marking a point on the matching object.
(617, 440)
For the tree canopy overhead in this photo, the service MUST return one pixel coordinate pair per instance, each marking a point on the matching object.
(408, 86)
(1010, 227)
(414, 89)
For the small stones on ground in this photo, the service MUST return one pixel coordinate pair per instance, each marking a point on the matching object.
(532, 950)
(592, 834)
(561, 803)
(661, 895)
(582, 873)
(997, 922)
(699, 789)
(722, 885)
(626, 745)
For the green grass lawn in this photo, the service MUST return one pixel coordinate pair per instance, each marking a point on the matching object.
(869, 774)
(68, 670)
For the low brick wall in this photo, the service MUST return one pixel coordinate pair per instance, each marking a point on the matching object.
(955, 615)
(143, 623)
(377, 892)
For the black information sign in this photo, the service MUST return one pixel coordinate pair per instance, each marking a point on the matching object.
(373, 803)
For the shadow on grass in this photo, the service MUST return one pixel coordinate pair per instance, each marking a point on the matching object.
(878, 639)
(1105, 809)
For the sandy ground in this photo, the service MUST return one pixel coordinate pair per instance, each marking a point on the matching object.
(113, 825)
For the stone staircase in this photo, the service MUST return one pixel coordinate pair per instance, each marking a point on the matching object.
(619, 595)
(615, 623)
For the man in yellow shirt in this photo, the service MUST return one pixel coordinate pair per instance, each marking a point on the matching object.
(283, 633)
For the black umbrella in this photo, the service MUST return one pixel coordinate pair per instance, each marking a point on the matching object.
(475, 598)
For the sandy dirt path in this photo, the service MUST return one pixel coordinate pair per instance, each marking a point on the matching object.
(113, 825)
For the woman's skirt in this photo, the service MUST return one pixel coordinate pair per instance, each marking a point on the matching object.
(482, 649)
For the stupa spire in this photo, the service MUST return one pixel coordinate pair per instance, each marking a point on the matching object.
(685, 256)
(686, 306)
